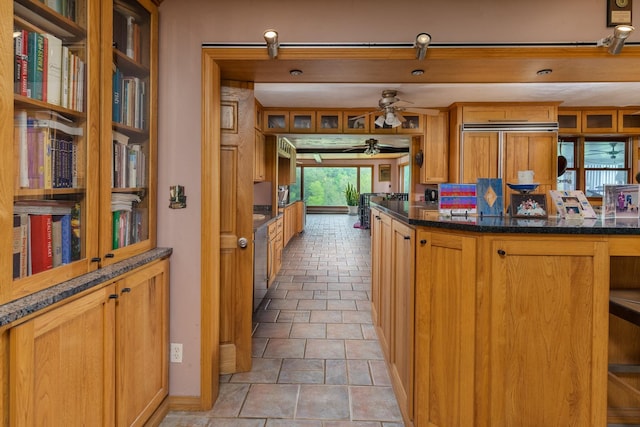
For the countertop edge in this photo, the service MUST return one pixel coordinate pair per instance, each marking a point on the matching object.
(22, 307)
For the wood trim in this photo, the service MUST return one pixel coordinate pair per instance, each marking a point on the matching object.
(184, 403)
(210, 232)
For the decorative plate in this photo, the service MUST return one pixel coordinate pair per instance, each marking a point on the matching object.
(524, 188)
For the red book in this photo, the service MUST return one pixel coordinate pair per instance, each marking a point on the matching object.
(41, 243)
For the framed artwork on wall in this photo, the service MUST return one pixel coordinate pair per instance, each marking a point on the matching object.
(384, 173)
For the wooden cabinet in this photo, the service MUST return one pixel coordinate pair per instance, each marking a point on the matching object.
(275, 121)
(62, 365)
(355, 121)
(482, 113)
(435, 150)
(401, 350)
(274, 253)
(290, 222)
(599, 121)
(445, 294)
(50, 140)
(300, 216)
(629, 121)
(302, 121)
(329, 121)
(546, 341)
(286, 162)
(569, 121)
(101, 359)
(381, 277)
(259, 162)
(129, 114)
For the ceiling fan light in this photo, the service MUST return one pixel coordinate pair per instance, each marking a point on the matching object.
(380, 121)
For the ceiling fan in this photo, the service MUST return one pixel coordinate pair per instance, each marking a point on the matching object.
(612, 153)
(391, 112)
(371, 147)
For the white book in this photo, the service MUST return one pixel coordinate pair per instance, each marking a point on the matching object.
(54, 69)
(21, 133)
(65, 77)
(130, 30)
(80, 88)
(54, 124)
(119, 137)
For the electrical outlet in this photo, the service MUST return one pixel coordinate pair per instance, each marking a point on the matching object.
(176, 353)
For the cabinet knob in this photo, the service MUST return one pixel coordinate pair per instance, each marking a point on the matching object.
(377, 217)
(501, 252)
(125, 290)
(423, 241)
(109, 255)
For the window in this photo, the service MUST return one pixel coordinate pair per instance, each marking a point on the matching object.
(404, 175)
(593, 162)
(324, 185)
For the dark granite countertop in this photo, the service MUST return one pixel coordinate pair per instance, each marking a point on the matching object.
(22, 307)
(426, 214)
(262, 219)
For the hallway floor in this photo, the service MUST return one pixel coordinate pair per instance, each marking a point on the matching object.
(317, 361)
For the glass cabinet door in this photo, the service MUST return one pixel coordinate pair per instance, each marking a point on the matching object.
(54, 139)
(128, 144)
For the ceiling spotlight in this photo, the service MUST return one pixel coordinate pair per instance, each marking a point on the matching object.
(417, 72)
(271, 37)
(422, 41)
(295, 72)
(544, 71)
(616, 41)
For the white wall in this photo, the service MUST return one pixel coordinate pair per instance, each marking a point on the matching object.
(186, 24)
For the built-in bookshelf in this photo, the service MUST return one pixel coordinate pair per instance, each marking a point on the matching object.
(55, 138)
(129, 61)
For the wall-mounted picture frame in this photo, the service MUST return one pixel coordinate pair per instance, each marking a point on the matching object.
(528, 206)
(229, 116)
(384, 172)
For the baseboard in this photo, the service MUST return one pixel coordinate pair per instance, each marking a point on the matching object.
(159, 414)
(186, 403)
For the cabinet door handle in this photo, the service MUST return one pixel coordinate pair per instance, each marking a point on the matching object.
(96, 259)
(113, 296)
(407, 237)
(125, 290)
(501, 252)
(109, 255)
(377, 217)
(423, 242)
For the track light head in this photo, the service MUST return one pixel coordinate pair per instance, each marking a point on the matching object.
(422, 42)
(615, 42)
(271, 37)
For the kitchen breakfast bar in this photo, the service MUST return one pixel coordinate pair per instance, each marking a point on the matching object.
(499, 321)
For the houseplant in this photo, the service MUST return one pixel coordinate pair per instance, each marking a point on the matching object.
(352, 197)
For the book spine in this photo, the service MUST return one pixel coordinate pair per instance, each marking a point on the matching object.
(65, 77)
(66, 238)
(47, 177)
(116, 100)
(17, 243)
(54, 69)
(33, 155)
(116, 230)
(45, 68)
(41, 243)
(130, 50)
(24, 245)
(35, 44)
(76, 243)
(56, 241)
(23, 149)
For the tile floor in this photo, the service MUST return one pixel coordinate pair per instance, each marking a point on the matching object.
(316, 358)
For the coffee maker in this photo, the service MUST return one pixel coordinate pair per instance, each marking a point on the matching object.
(283, 195)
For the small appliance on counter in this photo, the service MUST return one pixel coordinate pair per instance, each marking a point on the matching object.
(283, 195)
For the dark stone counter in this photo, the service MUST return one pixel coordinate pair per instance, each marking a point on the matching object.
(22, 307)
(426, 214)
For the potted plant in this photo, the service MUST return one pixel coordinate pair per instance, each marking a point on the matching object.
(352, 197)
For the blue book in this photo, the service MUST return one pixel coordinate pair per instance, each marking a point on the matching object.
(490, 198)
(117, 95)
(65, 221)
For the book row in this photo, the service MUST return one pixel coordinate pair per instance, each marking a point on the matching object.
(42, 241)
(129, 166)
(47, 70)
(126, 33)
(129, 227)
(48, 156)
(129, 100)
(66, 8)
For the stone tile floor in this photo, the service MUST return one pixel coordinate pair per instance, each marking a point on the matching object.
(316, 358)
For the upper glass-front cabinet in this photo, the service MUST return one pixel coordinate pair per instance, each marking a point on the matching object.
(54, 137)
(129, 144)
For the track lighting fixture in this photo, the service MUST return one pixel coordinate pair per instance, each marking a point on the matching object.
(422, 41)
(615, 42)
(271, 37)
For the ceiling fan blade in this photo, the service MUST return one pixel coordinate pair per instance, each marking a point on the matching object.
(400, 116)
(362, 115)
(355, 147)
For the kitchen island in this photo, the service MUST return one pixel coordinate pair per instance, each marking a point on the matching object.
(497, 321)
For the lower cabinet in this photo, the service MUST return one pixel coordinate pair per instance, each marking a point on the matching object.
(492, 330)
(444, 329)
(101, 359)
(274, 252)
